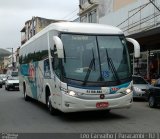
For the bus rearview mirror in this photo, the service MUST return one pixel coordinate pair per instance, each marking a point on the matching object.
(136, 47)
(59, 46)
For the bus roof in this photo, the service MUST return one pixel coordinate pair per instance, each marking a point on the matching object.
(81, 28)
(90, 28)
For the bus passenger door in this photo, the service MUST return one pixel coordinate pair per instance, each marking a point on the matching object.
(58, 95)
(57, 82)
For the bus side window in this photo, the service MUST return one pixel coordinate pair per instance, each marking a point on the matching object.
(56, 65)
(46, 68)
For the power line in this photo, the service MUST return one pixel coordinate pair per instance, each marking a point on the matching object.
(70, 13)
(73, 17)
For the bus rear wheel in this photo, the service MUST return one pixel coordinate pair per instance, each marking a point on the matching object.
(26, 97)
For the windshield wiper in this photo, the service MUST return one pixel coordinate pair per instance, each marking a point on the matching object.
(112, 67)
(89, 69)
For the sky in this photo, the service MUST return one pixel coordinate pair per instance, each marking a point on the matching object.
(14, 13)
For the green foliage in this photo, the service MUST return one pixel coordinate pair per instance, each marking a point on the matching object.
(35, 56)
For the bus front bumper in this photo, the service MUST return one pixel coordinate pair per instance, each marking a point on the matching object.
(73, 104)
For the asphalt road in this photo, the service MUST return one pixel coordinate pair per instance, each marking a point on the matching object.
(19, 116)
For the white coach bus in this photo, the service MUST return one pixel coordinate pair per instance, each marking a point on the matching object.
(78, 67)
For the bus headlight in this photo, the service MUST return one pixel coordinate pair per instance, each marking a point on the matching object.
(72, 93)
(128, 91)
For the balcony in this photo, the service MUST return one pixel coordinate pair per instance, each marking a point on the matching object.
(142, 18)
(87, 6)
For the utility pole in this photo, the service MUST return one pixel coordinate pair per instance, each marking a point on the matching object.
(12, 59)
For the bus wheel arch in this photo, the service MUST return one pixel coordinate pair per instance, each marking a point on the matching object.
(51, 109)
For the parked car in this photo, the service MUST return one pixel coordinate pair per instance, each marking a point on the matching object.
(3, 78)
(154, 94)
(12, 82)
(140, 87)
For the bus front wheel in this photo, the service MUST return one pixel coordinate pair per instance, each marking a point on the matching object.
(52, 110)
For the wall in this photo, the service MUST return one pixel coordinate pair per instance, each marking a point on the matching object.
(122, 9)
(118, 4)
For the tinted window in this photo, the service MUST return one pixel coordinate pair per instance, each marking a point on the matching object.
(36, 50)
(14, 74)
(93, 57)
(139, 80)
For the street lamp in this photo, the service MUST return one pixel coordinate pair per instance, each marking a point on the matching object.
(12, 56)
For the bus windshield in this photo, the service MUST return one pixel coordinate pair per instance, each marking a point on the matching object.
(93, 58)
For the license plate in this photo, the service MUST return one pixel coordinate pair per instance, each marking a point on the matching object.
(102, 104)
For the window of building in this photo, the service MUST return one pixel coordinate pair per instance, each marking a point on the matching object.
(92, 17)
(83, 1)
(84, 18)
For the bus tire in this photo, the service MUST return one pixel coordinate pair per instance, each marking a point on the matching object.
(51, 109)
(108, 111)
(26, 97)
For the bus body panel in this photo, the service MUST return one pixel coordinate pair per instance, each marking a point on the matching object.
(39, 74)
(70, 104)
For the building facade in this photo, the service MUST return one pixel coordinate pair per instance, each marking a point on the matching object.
(3, 55)
(17, 57)
(139, 19)
(129, 15)
(33, 26)
(4, 65)
(7, 61)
